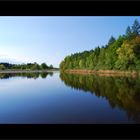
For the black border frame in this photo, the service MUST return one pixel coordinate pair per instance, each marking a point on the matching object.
(69, 8)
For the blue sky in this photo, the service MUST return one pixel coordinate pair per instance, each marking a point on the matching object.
(49, 39)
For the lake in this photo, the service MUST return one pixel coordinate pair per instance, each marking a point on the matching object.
(56, 98)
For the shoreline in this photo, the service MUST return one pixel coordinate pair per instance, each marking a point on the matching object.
(104, 72)
(26, 71)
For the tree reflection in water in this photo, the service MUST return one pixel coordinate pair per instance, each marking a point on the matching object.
(27, 75)
(121, 92)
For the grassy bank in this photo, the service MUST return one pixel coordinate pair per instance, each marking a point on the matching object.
(27, 71)
(105, 72)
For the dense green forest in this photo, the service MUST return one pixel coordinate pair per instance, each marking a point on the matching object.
(28, 66)
(122, 53)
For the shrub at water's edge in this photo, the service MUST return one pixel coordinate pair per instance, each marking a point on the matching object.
(121, 54)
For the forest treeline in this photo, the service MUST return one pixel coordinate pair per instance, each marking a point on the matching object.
(28, 66)
(122, 53)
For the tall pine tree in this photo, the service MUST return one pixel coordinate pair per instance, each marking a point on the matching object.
(136, 28)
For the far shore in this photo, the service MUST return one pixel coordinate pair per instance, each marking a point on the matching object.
(104, 72)
(27, 71)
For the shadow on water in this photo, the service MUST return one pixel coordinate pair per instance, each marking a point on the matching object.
(120, 92)
(27, 75)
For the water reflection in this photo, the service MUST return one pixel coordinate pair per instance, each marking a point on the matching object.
(121, 92)
(27, 75)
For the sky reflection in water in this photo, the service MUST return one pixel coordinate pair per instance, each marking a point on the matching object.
(67, 98)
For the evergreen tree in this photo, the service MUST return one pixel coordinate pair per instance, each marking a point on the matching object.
(128, 32)
(136, 28)
(111, 40)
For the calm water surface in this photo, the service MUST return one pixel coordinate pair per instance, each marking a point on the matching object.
(53, 98)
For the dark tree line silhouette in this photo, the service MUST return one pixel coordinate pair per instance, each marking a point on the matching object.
(28, 66)
(27, 75)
